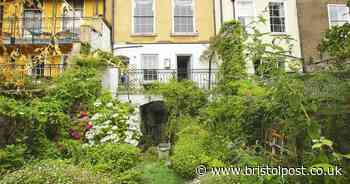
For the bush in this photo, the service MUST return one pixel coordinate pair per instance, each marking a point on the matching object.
(182, 97)
(54, 171)
(12, 157)
(75, 87)
(113, 158)
(190, 152)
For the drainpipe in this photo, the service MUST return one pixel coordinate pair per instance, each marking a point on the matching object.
(96, 8)
(211, 56)
(214, 13)
(221, 13)
(233, 9)
(113, 24)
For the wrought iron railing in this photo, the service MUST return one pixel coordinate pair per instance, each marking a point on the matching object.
(35, 71)
(42, 30)
(134, 81)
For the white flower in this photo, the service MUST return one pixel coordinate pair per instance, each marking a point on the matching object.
(110, 104)
(89, 135)
(95, 116)
(98, 103)
(107, 122)
(114, 127)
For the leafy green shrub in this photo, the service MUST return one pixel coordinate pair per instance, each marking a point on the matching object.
(183, 97)
(245, 157)
(190, 152)
(76, 86)
(12, 157)
(71, 149)
(115, 158)
(54, 171)
(110, 122)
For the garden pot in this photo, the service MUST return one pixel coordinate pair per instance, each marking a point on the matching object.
(164, 151)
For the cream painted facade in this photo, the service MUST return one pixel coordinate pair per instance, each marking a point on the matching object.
(261, 8)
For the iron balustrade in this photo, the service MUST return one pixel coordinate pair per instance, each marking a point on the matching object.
(34, 71)
(136, 80)
(40, 30)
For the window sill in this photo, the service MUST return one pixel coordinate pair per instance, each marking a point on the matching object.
(278, 33)
(184, 34)
(143, 35)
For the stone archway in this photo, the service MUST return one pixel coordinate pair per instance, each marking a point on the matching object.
(154, 117)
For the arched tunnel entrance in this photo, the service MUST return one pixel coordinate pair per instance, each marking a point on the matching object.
(154, 117)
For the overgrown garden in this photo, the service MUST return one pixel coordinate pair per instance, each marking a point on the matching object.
(72, 131)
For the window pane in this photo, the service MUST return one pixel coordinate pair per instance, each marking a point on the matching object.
(183, 16)
(183, 24)
(245, 9)
(143, 16)
(277, 17)
(143, 24)
(149, 65)
(245, 12)
(338, 15)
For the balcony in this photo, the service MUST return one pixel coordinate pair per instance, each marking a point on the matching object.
(40, 30)
(37, 71)
(137, 80)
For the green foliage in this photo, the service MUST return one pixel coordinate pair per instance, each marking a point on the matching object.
(244, 121)
(190, 152)
(109, 121)
(110, 158)
(54, 171)
(75, 86)
(85, 48)
(336, 43)
(228, 45)
(99, 60)
(12, 157)
(158, 173)
(183, 97)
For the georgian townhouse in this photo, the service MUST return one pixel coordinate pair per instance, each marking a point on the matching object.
(164, 38)
(25, 27)
(315, 18)
(281, 19)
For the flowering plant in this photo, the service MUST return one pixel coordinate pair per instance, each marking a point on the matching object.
(109, 124)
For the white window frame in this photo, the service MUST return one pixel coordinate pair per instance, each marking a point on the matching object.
(329, 15)
(253, 5)
(173, 20)
(285, 5)
(133, 4)
(143, 67)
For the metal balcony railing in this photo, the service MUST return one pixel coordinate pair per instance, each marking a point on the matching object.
(134, 81)
(40, 30)
(36, 71)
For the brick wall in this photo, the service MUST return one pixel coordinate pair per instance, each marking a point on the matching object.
(313, 22)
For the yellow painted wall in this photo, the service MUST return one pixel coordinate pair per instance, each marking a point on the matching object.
(90, 8)
(163, 15)
(48, 12)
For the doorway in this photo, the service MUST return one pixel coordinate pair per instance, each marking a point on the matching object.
(183, 67)
(154, 116)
